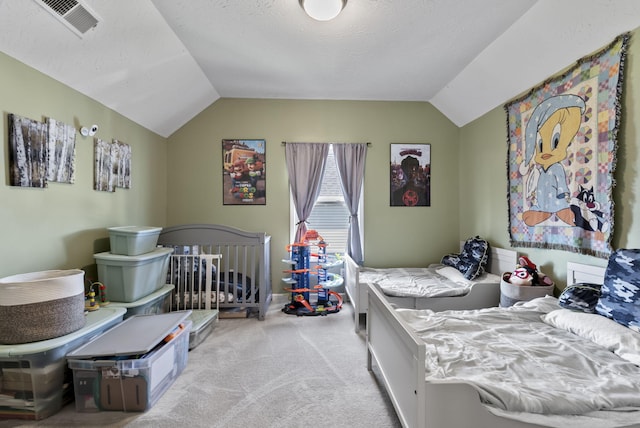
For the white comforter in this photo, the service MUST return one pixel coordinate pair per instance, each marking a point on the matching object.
(519, 363)
(433, 281)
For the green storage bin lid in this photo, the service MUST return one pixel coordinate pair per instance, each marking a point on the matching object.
(155, 254)
(135, 230)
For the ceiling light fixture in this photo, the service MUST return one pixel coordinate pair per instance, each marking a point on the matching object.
(323, 10)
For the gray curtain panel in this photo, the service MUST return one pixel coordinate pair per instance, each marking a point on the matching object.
(350, 160)
(305, 164)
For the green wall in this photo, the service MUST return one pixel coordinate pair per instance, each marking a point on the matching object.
(393, 235)
(60, 227)
(179, 180)
(483, 179)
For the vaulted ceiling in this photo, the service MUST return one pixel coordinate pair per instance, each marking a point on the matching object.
(161, 62)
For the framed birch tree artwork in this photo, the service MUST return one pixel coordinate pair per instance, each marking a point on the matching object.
(103, 173)
(112, 165)
(27, 152)
(121, 163)
(61, 152)
(40, 152)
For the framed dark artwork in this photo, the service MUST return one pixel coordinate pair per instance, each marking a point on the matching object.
(562, 141)
(410, 175)
(243, 172)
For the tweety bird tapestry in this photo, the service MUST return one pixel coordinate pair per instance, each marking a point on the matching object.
(562, 140)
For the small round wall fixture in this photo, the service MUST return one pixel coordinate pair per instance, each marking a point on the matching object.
(89, 132)
(323, 10)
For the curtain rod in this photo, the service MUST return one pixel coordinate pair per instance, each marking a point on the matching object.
(284, 143)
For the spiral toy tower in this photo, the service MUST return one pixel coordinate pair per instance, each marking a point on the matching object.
(308, 299)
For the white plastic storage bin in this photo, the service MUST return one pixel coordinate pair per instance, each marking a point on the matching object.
(133, 240)
(35, 380)
(129, 278)
(158, 302)
(510, 294)
(129, 367)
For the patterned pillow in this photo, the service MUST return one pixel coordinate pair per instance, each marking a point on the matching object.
(472, 260)
(580, 297)
(620, 298)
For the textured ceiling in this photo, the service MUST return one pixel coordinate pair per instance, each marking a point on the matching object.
(161, 62)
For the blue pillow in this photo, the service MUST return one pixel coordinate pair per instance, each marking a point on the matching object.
(620, 293)
(472, 260)
(580, 297)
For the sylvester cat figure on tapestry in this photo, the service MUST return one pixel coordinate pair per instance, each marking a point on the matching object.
(586, 210)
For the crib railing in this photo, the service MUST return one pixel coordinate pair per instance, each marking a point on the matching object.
(245, 267)
(196, 280)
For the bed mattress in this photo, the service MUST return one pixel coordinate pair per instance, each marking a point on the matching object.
(434, 281)
(519, 361)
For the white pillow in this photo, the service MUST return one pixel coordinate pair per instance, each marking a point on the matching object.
(607, 333)
(544, 304)
(454, 275)
(488, 277)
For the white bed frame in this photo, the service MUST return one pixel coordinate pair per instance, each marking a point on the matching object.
(397, 355)
(488, 295)
(578, 272)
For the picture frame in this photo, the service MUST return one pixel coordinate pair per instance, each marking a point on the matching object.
(61, 152)
(410, 175)
(28, 152)
(112, 165)
(243, 172)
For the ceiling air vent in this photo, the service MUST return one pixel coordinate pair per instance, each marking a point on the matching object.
(72, 13)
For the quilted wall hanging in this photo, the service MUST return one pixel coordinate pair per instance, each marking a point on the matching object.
(562, 140)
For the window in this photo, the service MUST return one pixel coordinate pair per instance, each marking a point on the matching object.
(330, 216)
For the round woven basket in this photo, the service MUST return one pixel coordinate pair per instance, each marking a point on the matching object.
(41, 305)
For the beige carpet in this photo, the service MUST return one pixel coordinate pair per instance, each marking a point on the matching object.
(286, 371)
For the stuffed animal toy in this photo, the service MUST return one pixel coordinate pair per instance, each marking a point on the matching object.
(527, 273)
(523, 276)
